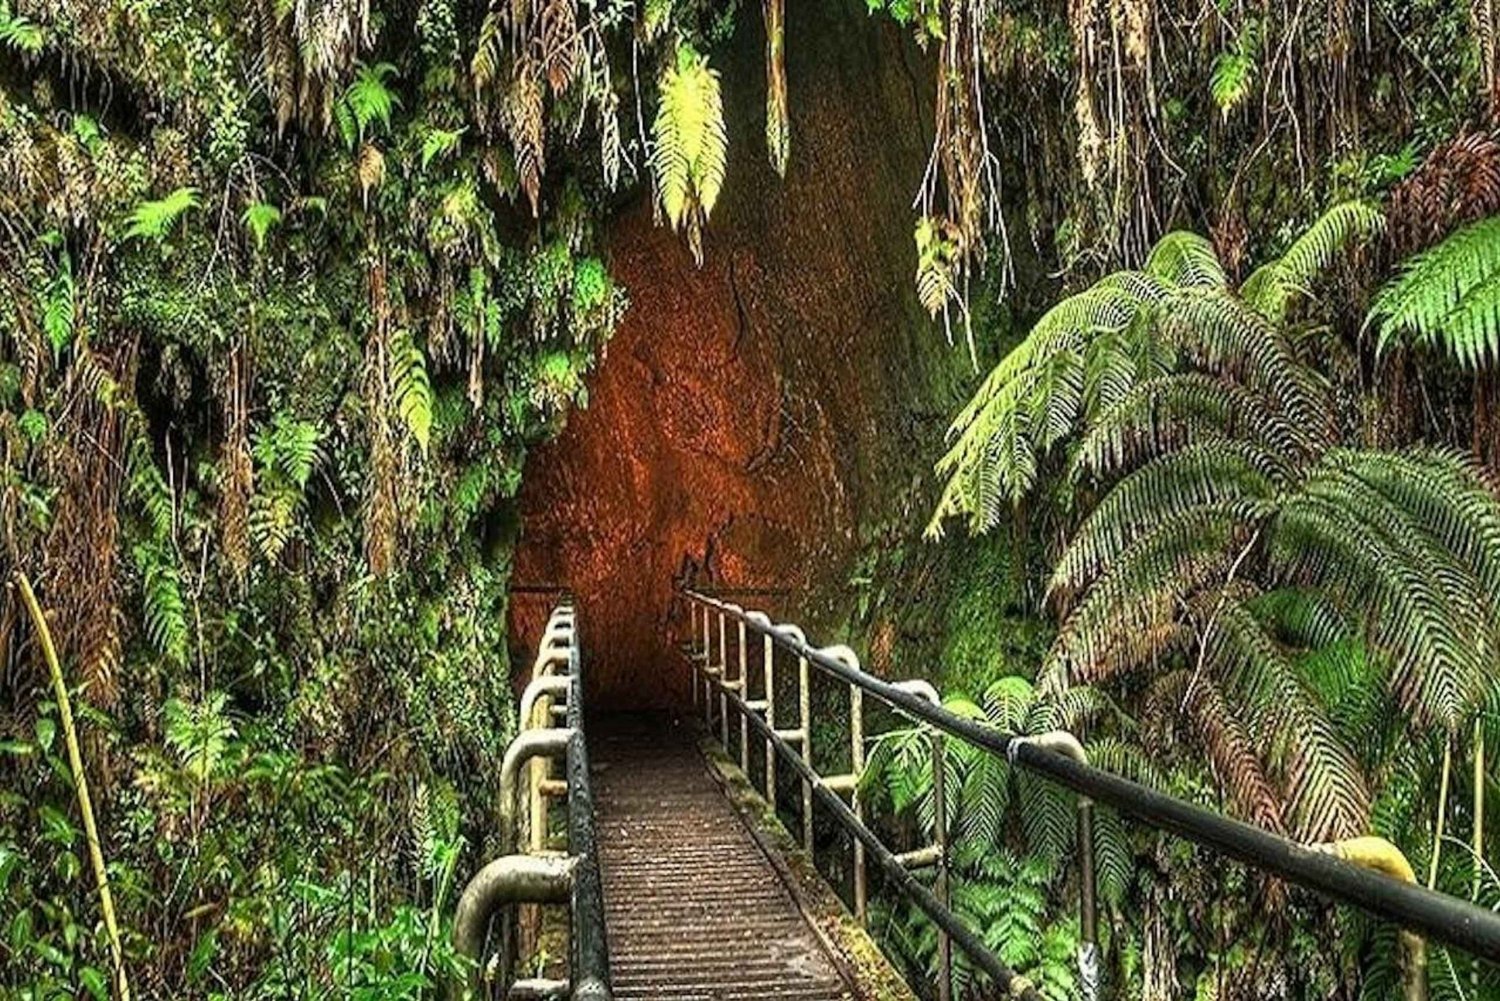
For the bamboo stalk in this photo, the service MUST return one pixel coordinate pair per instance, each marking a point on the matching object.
(1437, 826)
(1478, 807)
(80, 782)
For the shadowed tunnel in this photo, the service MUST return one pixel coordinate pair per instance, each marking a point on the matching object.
(750, 416)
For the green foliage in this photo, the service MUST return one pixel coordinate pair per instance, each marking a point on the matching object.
(440, 143)
(58, 310)
(260, 218)
(199, 733)
(1448, 298)
(152, 220)
(410, 387)
(20, 32)
(1084, 359)
(689, 144)
(366, 104)
(1232, 76)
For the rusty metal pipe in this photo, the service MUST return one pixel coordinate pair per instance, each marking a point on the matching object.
(510, 879)
(548, 687)
(552, 742)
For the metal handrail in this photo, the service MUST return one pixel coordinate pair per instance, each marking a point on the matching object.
(1414, 908)
(539, 877)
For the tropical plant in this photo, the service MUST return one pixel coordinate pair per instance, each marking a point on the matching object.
(1447, 298)
(689, 145)
(1012, 832)
(1231, 512)
(1091, 351)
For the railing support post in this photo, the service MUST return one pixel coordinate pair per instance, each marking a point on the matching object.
(744, 682)
(857, 768)
(804, 706)
(1380, 855)
(940, 836)
(769, 672)
(723, 683)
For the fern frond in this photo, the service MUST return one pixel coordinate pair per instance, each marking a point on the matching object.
(411, 391)
(151, 220)
(1169, 412)
(1132, 609)
(1326, 793)
(1204, 473)
(689, 143)
(163, 609)
(1448, 298)
(1226, 337)
(370, 99)
(1186, 260)
(1275, 286)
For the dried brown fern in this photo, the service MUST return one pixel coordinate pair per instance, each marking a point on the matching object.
(778, 128)
(1458, 182)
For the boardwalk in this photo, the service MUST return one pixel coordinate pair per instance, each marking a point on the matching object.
(694, 909)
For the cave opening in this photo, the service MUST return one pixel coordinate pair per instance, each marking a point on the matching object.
(751, 414)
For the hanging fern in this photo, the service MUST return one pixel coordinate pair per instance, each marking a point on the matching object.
(1448, 298)
(367, 103)
(260, 218)
(20, 32)
(411, 392)
(689, 145)
(164, 611)
(286, 451)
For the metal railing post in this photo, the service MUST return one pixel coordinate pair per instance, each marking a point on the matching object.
(857, 768)
(849, 782)
(770, 683)
(744, 688)
(804, 706)
(723, 682)
(940, 837)
(1381, 856)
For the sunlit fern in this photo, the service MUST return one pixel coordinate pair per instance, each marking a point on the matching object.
(1447, 298)
(689, 145)
(152, 220)
(411, 391)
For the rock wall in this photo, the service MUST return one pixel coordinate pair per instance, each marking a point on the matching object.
(753, 414)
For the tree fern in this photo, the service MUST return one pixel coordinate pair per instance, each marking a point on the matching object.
(689, 144)
(1448, 298)
(1186, 260)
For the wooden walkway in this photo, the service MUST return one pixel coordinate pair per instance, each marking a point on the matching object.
(695, 909)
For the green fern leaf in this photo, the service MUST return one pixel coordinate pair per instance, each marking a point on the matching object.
(411, 390)
(152, 220)
(1448, 298)
(690, 144)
